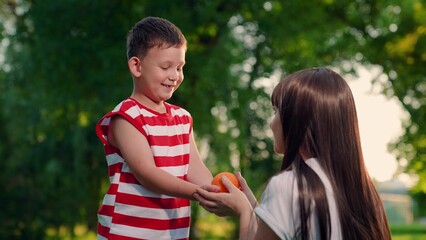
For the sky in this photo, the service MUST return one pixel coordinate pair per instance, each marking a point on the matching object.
(380, 122)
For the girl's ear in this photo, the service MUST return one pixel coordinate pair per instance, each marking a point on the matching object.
(135, 66)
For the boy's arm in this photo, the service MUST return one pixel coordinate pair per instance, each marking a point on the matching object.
(137, 153)
(198, 172)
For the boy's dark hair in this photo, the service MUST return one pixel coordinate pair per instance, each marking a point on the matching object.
(153, 32)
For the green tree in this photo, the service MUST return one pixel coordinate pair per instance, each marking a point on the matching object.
(65, 66)
(55, 62)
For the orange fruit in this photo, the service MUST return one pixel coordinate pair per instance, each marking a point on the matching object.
(217, 180)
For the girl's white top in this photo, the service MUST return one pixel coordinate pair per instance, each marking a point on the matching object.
(279, 206)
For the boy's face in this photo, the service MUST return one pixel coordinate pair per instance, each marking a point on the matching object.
(162, 72)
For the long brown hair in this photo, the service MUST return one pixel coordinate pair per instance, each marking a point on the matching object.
(318, 113)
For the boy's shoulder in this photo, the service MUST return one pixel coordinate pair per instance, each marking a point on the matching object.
(177, 109)
(124, 105)
(130, 105)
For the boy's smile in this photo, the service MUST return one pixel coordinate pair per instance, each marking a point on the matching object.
(168, 86)
(161, 73)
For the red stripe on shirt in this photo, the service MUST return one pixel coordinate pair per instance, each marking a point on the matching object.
(103, 231)
(150, 202)
(170, 141)
(114, 168)
(127, 177)
(150, 223)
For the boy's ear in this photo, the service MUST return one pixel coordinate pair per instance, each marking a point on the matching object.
(135, 66)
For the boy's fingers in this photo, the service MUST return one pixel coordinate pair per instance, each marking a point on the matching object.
(211, 188)
(203, 202)
(204, 193)
(211, 196)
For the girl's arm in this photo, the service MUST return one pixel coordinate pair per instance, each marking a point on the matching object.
(254, 228)
(138, 155)
(238, 203)
(264, 232)
(234, 203)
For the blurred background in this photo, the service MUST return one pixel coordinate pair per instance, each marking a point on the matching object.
(63, 65)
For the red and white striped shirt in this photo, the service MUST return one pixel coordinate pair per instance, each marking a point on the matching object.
(130, 211)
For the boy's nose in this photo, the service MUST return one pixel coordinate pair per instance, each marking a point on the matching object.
(174, 76)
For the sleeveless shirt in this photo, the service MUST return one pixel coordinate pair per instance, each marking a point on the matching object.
(128, 210)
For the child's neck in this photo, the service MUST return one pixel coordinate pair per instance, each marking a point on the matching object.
(156, 106)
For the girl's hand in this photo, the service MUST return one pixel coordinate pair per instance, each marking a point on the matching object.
(225, 204)
(247, 191)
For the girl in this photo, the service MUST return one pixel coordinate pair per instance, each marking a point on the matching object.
(323, 190)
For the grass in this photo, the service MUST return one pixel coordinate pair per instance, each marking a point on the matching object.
(80, 232)
(211, 227)
(408, 232)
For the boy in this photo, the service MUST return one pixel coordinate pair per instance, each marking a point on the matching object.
(153, 163)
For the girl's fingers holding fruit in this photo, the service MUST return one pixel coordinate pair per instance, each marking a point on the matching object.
(242, 181)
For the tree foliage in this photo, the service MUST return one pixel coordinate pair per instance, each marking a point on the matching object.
(65, 66)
